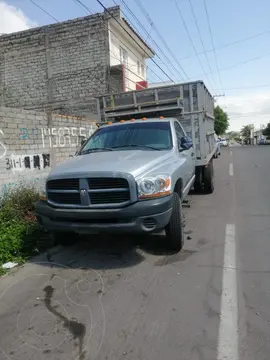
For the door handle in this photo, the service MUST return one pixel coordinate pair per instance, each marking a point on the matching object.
(192, 154)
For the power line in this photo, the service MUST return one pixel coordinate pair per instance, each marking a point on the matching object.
(149, 36)
(86, 7)
(50, 15)
(146, 33)
(114, 55)
(135, 18)
(246, 61)
(202, 42)
(191, 41)
(46, 12)
(81, 7)
(212, 41)
(146, 14)
(109, 12)
(243, 62)
(247, 87)
(226, 45)
(128, 67)
(231, 115)
(32, 1)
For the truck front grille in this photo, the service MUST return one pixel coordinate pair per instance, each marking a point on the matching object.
(65, 198)
(107, 183)
(109, 198)
(63, 184)
(108, 190)
(99, 191)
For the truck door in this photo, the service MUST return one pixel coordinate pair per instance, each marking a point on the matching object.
(188, 155)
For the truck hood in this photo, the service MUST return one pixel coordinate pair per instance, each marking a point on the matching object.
(134, 162)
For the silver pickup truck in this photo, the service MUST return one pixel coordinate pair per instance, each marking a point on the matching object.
(128, 177)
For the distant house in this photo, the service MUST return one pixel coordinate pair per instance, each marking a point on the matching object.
(62, 67)
(258, 136)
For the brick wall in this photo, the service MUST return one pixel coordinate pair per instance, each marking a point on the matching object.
(31, 143)
(62, 66)
(117, 78)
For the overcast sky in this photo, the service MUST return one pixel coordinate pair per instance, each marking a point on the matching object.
(242, 57)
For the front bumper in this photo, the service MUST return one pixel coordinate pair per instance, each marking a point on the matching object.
(140, 217)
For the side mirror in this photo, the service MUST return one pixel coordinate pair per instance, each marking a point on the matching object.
(185, 143)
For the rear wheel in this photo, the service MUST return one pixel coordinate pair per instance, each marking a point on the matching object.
(198, 184)
(174, 230)
(209, 178)
(65, 238)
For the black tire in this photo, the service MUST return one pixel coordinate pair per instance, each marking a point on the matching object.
(198, 184)
(209, 178)
(174, 230)
(65, 238)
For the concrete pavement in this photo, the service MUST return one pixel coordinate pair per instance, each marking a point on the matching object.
(128, 298)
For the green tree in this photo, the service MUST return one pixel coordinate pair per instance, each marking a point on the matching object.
(266, 131)
(245, 131)
(232, 134)
(221, 121)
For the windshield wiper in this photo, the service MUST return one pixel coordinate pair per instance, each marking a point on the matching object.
(135, 145)
(95, 149)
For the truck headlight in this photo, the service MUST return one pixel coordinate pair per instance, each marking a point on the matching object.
(154, 186)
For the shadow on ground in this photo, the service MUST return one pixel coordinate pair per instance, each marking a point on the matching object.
(105, 252)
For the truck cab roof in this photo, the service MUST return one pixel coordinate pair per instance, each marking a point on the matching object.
(132, 121)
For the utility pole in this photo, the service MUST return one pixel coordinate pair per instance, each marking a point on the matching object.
(215, 97)
(252, 128)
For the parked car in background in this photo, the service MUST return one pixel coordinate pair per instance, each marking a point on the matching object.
(217, 153)
(223, 142)
(261, 140)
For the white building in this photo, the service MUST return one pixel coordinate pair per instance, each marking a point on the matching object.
(129, 49)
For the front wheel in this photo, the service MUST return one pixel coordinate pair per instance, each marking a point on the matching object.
(174, 230)
(65, 238)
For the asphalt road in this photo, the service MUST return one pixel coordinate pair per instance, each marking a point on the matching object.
(127, 298)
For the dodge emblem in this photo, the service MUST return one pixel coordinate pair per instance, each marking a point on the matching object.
(83, 192)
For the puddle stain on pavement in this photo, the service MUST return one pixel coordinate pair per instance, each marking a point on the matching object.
(77, 329)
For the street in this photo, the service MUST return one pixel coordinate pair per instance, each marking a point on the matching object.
(128, 298)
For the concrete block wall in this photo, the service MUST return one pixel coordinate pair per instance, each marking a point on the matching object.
(62, 66)
(31, 143)
(117, 78)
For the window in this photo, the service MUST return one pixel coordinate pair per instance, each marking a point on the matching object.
(123, 56)
(138, 67)
(152, 134)
(179, 132)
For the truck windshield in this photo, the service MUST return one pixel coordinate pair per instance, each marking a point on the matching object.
(144, 135)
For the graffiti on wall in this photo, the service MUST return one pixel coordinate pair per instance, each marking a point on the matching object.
(27, 134)
(27, 162)
(3, 149)
(65, 136)
(36, 182)
(57, 137)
